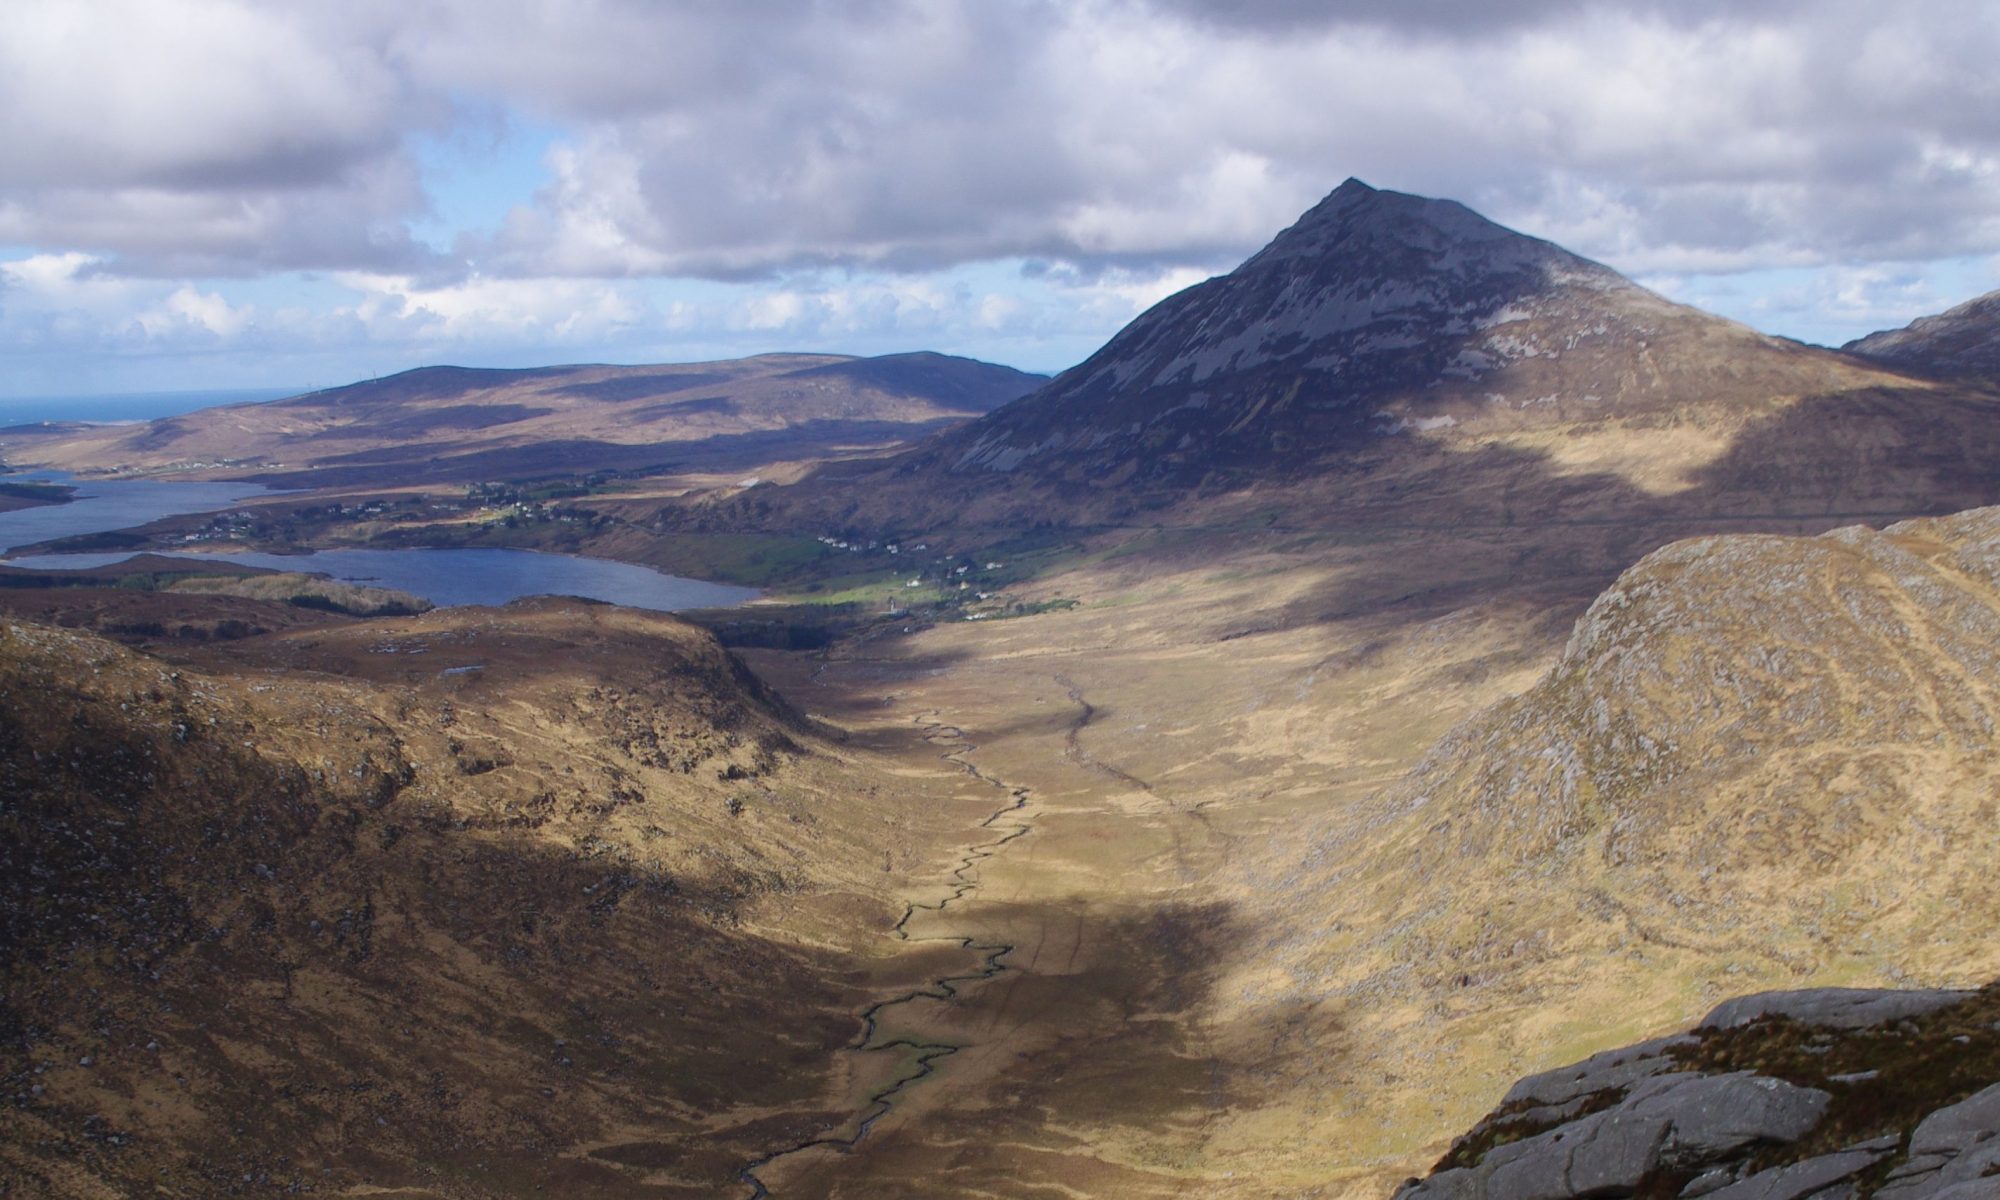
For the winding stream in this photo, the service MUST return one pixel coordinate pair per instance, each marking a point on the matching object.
(945, 988)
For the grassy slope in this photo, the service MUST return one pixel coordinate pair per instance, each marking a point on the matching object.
(490, 920)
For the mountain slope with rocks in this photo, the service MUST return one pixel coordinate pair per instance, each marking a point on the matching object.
(556, 897)
(1759, 761)
(1371, 297)
(1961, 341)
(1392, 359)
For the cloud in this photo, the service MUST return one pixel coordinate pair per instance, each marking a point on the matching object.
(1457, 19)
(118, 331)
(545, 312)
(200, 93)
(186, 307)
(916, 136)
(848, 159)
(207, 135)
(1833, 305)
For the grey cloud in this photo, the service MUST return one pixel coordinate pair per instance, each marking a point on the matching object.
(1103, 133)
(224, 138)
(354, 223)
(1458, 18)
(745, 140)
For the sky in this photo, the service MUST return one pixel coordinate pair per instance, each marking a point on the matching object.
(201, 194)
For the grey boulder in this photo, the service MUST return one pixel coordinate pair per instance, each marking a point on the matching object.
(1833, 1008)
(1677, 1121)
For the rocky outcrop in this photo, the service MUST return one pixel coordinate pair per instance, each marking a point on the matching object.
(1834, 1008)
(1953, 1155)
(1827, 1093)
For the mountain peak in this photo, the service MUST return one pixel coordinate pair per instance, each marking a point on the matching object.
(1357, 221)
(1371, 299)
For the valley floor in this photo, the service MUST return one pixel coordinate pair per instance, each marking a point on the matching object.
(1172, 773)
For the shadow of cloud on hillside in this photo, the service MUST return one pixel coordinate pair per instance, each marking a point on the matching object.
(1097, 1038)
(1870, 455)
(381, 988)
(1422, 531)
(414, 997)
(420, 462)
(640, 387)
(425, 383)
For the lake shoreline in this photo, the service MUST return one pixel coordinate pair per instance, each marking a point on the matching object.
(114, 521)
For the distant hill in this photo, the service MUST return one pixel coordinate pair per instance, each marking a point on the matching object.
(1959, 341)
(445, 424)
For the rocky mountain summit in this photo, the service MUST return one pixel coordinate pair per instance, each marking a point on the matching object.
(1828, 1094)
(1961, 341)
(1393, 359)
(1377, 313)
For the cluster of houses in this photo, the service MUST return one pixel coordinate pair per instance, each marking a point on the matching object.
(858, 546)
(953, 577)
(223, 527)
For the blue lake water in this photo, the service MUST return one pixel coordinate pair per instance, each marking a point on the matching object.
(472, 576)
(445, 577)
(112, 504)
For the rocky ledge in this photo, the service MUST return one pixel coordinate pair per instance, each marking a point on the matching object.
(1826, 1094)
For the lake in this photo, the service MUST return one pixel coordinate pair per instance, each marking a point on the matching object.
(112, 504)
(444, 577)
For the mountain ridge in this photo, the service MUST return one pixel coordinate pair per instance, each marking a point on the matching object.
(1369, 294)
(1963, 340)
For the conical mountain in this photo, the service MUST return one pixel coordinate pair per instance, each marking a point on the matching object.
(1377, 313)
(1395, 359)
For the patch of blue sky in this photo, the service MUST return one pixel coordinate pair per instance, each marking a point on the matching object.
(489, 162)
(1832, 304)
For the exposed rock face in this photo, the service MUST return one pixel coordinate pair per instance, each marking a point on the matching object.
(1834, 1008)
(1959, 341)
(1795, 1119)
(1954, 1154)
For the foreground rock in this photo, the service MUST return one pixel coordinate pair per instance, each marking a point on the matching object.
(1826, 1093)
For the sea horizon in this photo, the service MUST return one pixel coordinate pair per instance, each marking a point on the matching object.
(108, 408)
